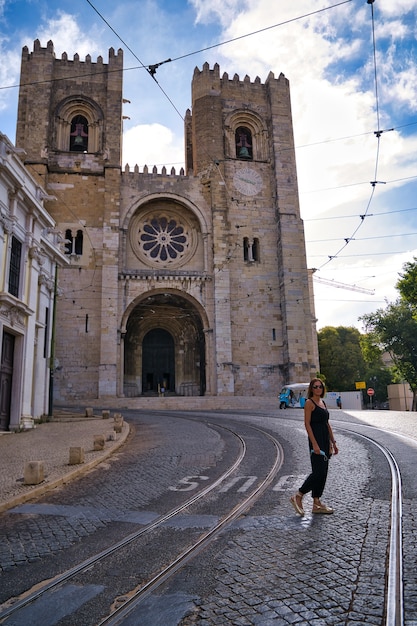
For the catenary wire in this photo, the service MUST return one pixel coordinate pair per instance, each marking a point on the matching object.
(378, 135)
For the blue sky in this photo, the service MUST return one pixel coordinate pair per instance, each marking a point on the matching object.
(325, 48)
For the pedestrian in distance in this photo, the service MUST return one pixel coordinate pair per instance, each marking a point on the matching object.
(322, 445)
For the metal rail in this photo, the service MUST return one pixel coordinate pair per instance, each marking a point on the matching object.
(81, 567)
(394, 613)
(130, 605)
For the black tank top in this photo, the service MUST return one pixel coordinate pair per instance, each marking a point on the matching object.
(319, 425)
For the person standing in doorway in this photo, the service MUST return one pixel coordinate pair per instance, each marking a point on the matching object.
(322, 445)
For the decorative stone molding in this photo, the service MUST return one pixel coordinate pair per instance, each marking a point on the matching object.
(14, 310)
(7, 223)
(35, 252)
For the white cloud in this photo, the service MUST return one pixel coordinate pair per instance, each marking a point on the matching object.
(152, 144)
(68, 36)
(218, 10)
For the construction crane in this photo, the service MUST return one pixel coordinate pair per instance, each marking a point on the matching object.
(333, 283)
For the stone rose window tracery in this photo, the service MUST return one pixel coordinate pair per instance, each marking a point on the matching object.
(164, 235)
(163, 239)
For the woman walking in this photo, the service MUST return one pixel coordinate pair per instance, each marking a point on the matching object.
(321, 444)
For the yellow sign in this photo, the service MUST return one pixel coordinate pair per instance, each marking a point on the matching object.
(360, 385)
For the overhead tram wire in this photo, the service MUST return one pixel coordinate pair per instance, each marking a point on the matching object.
(151, 69)
(261, 30)
(341, 217)
(378, 134)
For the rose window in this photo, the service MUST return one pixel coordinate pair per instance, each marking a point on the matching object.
(164, 235)
(163, 239)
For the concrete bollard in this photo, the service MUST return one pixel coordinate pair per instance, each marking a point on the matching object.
(106, 414)
(98, 442)
(89, 412)
(76, 456)
(118, 422)
(34, 473)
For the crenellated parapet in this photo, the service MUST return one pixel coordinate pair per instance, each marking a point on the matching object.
(209, 82)
(146, 171)
(151, 176)
(39, 51)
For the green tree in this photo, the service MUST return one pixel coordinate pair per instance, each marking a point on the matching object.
(341, 360)
(407, 285)
(395, 330)
(377, 374)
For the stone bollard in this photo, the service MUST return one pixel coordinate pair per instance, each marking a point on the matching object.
(98, 442)
(118, 422)
(76, 456)
(89, 412)
(106, 414)
(34, 473)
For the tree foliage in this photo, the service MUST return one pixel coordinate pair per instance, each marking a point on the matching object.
(377, 374)
(395, 329)
(407, 285)
(341, 360)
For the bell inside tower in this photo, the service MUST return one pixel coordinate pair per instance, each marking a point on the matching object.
(243, 138)
(79, 134)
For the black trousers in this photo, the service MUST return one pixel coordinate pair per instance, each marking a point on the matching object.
(316, 481)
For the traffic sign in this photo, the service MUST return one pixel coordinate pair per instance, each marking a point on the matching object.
(370, 391)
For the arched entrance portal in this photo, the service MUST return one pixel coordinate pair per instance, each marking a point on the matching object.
(164, 345)
(158, 362)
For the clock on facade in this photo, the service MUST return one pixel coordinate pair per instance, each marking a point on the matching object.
(248, 181)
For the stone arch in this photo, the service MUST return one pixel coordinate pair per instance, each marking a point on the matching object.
(75, 109)
(164, 345)
(180, 200)
(249, 121)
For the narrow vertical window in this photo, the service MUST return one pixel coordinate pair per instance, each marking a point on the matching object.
(46, 335)
(246, 249)
(255, 249)
(78, 247)
(68, 241)
(14, 268)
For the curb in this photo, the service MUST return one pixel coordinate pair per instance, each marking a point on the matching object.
(66, 478)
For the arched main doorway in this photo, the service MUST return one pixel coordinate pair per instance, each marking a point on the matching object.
(158, 362)
(164, 346)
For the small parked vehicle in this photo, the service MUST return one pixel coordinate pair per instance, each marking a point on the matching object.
(293, 396)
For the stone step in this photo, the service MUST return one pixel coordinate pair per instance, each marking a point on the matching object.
(187, 403)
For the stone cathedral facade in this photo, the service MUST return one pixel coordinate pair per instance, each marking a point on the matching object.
(192, 282)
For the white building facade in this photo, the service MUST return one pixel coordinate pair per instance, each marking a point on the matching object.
(30, 253)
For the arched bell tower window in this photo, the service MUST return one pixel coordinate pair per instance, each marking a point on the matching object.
(246, 136)
(79, 126)
(243, 142)
(79, 134)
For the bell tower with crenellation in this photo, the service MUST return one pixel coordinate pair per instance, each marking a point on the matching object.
(70, 126)
(240, 141)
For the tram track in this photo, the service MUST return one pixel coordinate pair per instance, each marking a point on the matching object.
(9, 613)
(394, 597)
(394, 605)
